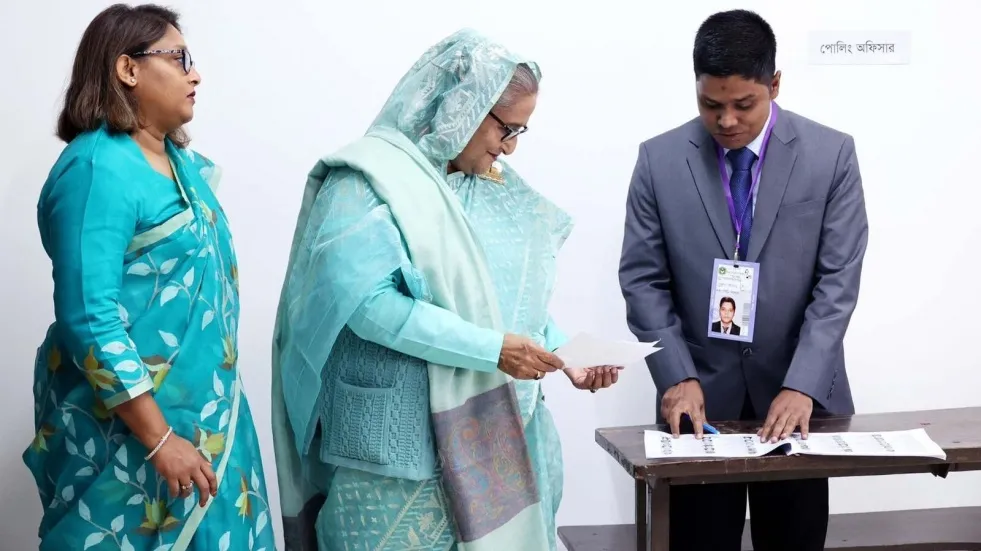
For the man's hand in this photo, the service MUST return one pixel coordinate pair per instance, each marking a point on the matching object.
(684, 398)
(789, 410)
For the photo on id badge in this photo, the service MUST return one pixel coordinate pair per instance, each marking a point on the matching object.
(732, 312)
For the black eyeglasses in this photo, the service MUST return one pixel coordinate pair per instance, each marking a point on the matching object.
(510, 132)
(186, 62)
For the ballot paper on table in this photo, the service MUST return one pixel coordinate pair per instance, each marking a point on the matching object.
(905, 443)
(586, 350)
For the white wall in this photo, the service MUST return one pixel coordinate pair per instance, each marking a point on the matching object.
(284, 86)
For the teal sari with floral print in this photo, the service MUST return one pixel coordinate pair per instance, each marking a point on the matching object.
(146, 300)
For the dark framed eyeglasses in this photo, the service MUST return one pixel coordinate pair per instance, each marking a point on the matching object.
(510, 132)
(186, 62)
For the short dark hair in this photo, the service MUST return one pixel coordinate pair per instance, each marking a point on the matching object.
(94, 95)
(729, 300)
(736, 43)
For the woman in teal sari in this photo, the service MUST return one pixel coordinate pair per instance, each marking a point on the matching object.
(144, 440)
(413, 328)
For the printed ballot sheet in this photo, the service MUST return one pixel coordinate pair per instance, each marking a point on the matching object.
(586, 350)
(909, 443)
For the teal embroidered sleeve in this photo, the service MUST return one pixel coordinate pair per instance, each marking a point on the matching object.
(87, 219)
(416, 328)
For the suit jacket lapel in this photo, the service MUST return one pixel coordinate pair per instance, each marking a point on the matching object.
(778, 163)
(704, 165)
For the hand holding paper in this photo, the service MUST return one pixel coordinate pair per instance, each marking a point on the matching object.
(593, 378)
(521, 358)
(586, 350)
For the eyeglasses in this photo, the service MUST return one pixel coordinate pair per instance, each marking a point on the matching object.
(186, 62)
(510, 132)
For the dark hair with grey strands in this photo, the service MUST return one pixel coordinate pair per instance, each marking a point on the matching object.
(523, 83)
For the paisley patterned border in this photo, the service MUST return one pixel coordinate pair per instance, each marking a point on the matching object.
(486, 471)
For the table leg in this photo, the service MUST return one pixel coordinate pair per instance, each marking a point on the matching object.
(652, 515)
(640, 513)
(660, 514)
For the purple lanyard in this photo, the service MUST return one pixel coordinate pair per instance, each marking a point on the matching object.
(737, 220)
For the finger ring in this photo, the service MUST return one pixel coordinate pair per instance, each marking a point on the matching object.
(185, 488)
(538, 375)
(593, 390)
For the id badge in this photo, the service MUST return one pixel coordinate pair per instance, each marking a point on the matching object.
(732, 311)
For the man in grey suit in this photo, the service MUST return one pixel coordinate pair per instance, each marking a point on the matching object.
(795, 201)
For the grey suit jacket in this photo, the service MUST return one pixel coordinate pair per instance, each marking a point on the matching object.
(809, 235)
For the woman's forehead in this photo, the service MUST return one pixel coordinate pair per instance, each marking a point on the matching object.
(172, 39)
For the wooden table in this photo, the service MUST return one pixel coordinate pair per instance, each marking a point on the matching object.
(957, 431)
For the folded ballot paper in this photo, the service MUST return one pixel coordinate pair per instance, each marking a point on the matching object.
(586, 350)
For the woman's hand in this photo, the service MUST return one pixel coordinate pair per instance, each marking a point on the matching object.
(184, 467)
(521, 358)
(177, 460)
(594, 378)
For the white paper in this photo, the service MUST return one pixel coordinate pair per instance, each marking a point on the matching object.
(905, 443)
(661, 445)
(909, 443)
(586, 350)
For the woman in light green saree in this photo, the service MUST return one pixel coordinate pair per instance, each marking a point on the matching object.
(413, 328)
